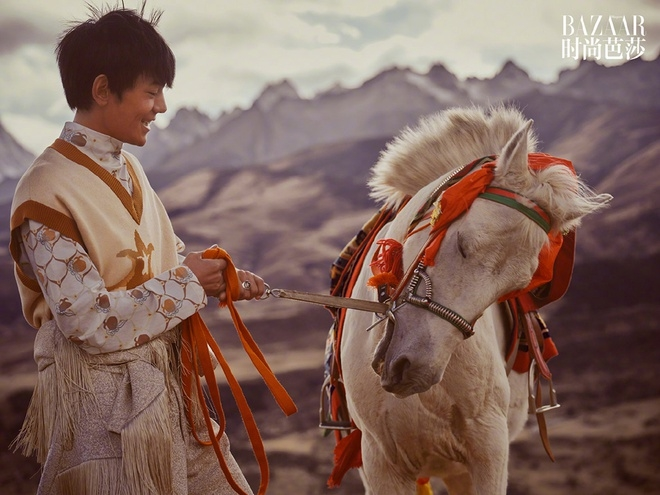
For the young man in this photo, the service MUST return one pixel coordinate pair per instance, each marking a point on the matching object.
(100, 277)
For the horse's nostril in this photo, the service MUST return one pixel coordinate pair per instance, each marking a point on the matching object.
(399, 369)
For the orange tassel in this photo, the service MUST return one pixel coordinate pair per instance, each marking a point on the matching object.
(348, 455)
(389, 259)
(423, 486)
(383, 279)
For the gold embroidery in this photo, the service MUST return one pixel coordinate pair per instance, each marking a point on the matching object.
(141, 260)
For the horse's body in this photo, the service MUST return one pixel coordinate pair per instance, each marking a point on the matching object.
(427, 415)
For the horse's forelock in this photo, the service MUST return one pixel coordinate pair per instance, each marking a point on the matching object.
(440, 143)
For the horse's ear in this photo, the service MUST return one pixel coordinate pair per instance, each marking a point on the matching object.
(513, 157)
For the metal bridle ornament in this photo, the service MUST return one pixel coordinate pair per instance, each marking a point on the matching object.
(426, 301)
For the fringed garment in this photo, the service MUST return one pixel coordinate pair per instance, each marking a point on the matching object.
(114, 424)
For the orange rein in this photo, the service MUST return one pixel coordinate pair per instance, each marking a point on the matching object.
(196, 359)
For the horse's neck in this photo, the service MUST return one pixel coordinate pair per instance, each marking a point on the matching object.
(501, 326)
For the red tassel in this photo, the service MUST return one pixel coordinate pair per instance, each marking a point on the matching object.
(348, 455)
(383, 279)
(389, 259)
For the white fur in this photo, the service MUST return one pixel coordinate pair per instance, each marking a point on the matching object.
(451, 410)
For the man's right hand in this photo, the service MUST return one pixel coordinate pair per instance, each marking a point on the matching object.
(209, 272)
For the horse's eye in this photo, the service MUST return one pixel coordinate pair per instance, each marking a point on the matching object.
(461, 249)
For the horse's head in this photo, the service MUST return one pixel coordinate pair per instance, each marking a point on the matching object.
(487, 252)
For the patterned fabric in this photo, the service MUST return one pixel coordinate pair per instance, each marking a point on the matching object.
(123, 401)
(103, 149)
(87, 313)
(128, 238)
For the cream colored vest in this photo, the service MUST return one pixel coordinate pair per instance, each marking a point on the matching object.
(129, 239)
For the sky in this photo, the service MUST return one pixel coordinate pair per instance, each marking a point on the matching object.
(228, 50)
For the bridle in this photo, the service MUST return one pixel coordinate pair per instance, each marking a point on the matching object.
(407, 290)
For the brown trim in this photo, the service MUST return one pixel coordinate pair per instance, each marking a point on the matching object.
(138, 198)
(48, 216)
(45, 215)
(26, 280)
(132, 205)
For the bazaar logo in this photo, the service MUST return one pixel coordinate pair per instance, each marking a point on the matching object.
(599, 37)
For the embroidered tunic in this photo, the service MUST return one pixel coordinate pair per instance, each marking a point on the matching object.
(101, 320)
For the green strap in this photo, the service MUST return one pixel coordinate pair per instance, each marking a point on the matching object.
(529, 212)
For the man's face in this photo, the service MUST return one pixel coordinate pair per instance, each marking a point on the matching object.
(128, 118)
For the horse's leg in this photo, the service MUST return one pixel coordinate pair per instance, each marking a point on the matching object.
(379, 476)
(488, 456)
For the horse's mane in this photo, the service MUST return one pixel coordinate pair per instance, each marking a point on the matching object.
(440, 143)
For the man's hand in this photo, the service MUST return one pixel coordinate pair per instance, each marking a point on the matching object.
(209, 272)
(211, 275)
(252, 286)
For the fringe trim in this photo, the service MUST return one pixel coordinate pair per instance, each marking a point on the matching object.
(63, 383)
(146, 444)
(100, 477)
(65, 392)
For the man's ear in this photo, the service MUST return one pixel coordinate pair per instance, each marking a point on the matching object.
(101, 90)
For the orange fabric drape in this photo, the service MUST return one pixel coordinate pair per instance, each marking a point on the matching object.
(196, 361)
(453, 203)
(545, 271)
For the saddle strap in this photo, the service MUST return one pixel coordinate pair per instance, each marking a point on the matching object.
(530, 328)
(540, 419)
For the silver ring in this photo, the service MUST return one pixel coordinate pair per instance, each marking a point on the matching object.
(246, 285)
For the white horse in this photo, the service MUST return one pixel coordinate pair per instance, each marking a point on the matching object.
(443, 406)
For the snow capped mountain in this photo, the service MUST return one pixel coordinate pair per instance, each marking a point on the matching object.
(509, 82)
(280, 122)
(187, 126)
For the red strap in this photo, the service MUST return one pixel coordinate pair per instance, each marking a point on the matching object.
(196, 340)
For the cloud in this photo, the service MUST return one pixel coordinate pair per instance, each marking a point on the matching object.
(403, 18)
(227, 51)
(16, 32)
(31, 131)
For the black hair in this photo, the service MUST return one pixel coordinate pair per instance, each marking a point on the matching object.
(119, 43)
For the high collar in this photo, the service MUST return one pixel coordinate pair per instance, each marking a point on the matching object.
(103, 149)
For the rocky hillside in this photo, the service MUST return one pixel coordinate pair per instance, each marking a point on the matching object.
(281, 185)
